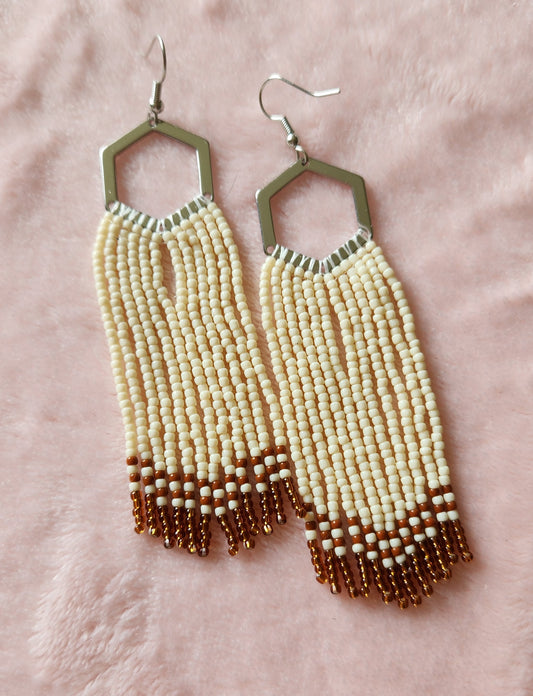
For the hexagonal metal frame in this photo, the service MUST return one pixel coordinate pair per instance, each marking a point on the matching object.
(264, 196)
(109, 152)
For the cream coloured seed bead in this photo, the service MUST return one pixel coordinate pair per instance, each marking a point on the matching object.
(359, 278)
(236, 283)
(239, 356)
(143, 330)
(216, 371)
(358, 361)
(172, 411)
(353, 446)
(414, 349)
(292, 297)
(288, 381)
(399, 340)
(315, 302)
(184, 338)
(124, 287)
(122, 358)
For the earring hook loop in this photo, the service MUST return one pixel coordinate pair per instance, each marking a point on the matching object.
(292, 138)
(156, 105)
(311, 93)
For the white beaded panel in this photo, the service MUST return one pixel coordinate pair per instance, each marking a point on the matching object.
(190, 379)
(360, 414)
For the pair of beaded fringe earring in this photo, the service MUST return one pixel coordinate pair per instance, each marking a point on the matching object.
(354, 410)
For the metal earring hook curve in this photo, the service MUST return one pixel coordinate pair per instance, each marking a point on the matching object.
(311, 93)
(156, 105)
(292, 138)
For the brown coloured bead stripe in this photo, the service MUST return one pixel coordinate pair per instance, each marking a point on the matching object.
(318, 564)
(204, 535)
(189, 495)
(292, 495)
(233, 543)
(403, 576)
(397, 589)
(428, 561)
(264, 503)
(180, 524)
(250, 513)
(137, 511)
(272, 470)
(420, 573)
(380, 583)
(242, 529)
(460, 540)
(166, 527)
(331, 571)
(347, 576)
(453, 558)
(364, 574)
(278, 502)
(442, 561)
(151, 515)
(190, 520)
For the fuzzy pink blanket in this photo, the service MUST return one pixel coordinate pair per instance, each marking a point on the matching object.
(436, 113)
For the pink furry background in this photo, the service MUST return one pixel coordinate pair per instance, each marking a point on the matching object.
(436, 112)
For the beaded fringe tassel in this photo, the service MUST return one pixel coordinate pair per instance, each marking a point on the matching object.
(190, 380)
(362, 425)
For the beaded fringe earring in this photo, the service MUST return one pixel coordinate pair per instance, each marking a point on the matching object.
(361, 417)
(191, 383)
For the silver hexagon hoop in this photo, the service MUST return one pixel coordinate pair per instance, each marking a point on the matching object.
(108, 154)
(354, 181)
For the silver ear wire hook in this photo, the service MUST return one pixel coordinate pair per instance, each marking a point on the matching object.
(292, 138)
(156, 105)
